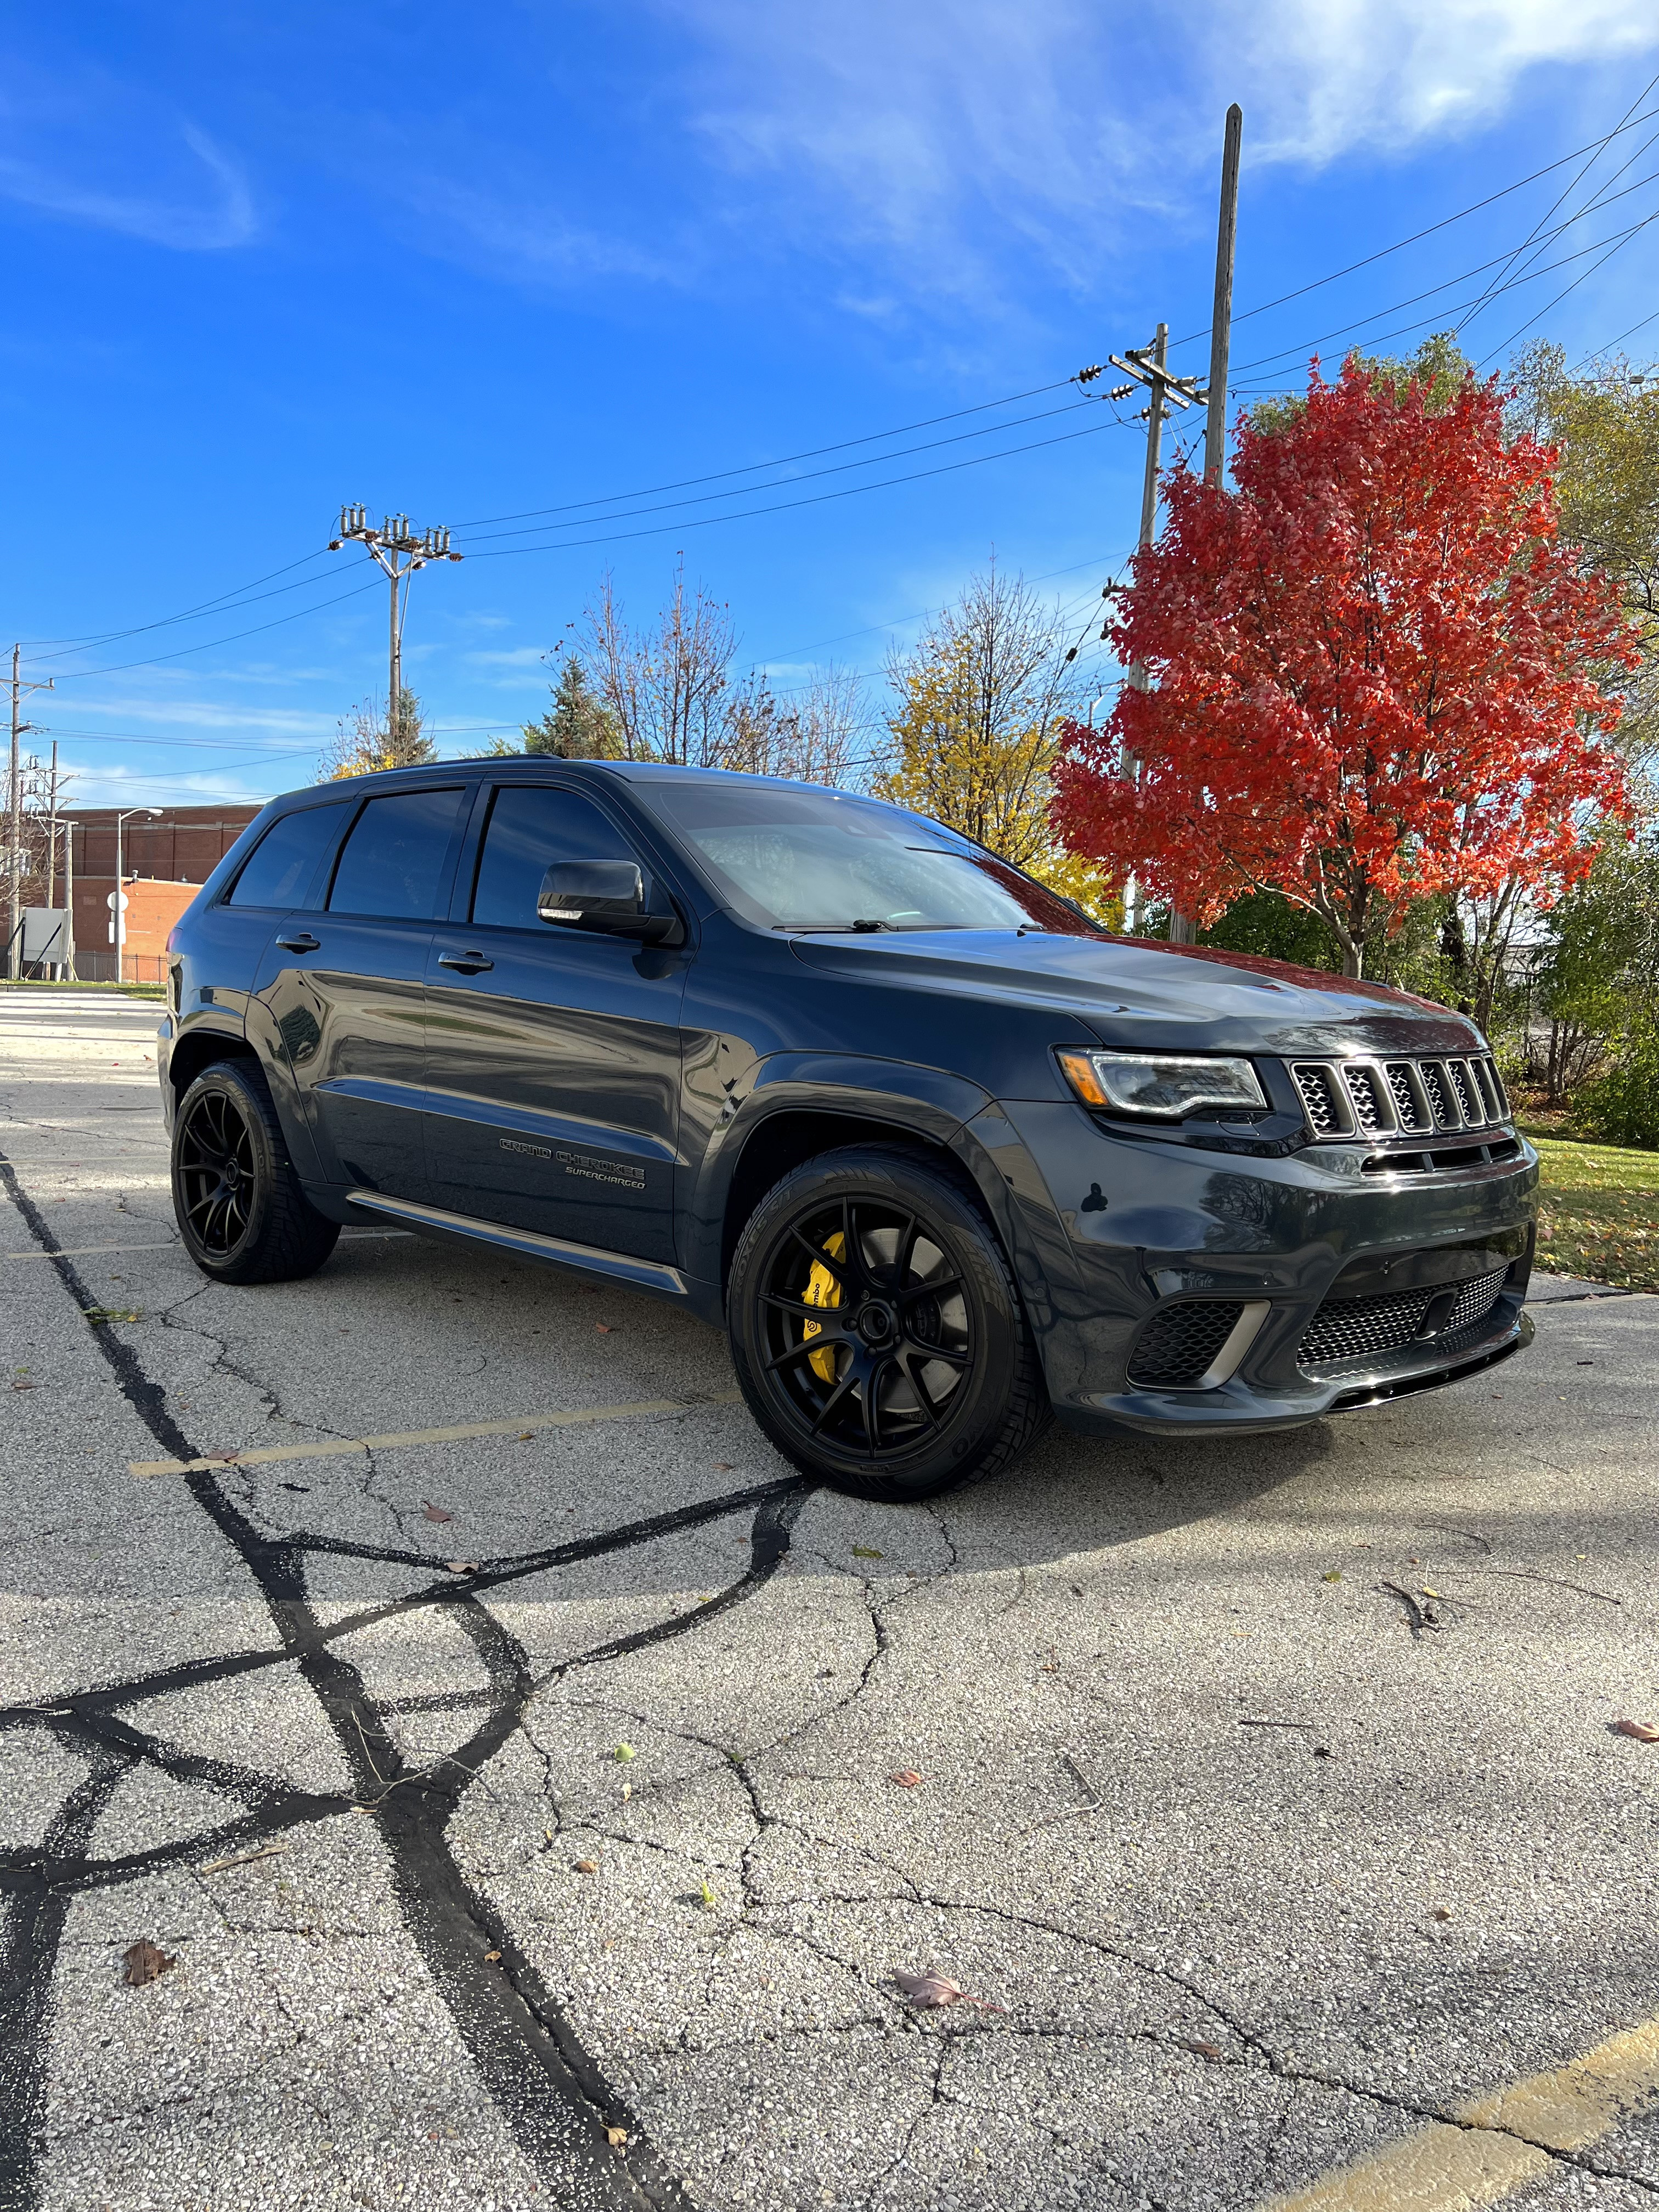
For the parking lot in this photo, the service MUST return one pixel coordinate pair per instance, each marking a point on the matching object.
(537, 1791)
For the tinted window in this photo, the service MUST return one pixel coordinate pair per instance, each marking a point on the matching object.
(530, 828)
(394, 861)
(288, 856)
(791, 857)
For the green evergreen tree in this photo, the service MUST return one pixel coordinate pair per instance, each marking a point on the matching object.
(576, 727)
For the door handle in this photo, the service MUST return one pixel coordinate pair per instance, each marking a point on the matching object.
(301, 942)
(465, 964)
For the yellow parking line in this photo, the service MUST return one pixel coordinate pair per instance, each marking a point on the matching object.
(336, 1447)
(1505, 2140)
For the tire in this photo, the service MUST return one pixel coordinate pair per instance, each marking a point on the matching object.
(875, 1329)
(237, 1200)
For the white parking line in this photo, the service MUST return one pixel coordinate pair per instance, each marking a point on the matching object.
(517, 1424)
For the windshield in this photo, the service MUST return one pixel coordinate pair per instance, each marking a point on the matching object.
(788, 858)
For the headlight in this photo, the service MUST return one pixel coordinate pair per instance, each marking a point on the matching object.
(1168, 1084)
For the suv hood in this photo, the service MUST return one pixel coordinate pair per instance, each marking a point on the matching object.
(1136, 991)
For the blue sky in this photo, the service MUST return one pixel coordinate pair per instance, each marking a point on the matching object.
(468, 263)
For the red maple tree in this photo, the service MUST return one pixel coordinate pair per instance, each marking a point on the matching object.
(1373, 672)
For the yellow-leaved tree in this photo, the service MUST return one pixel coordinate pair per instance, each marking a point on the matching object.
(978, 699)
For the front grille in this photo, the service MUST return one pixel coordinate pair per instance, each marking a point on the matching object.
(1179, 1343)
(1379, 1098)
(1349, 1329)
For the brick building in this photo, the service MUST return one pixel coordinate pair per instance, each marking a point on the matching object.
(164, 862)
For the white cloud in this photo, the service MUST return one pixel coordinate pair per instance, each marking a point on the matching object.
(940, 131)
(1332, 75)
(207, 221)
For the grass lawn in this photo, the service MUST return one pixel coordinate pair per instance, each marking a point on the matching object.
(127, 990)
(1598, 1212)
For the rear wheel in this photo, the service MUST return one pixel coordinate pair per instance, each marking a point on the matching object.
(240, 1211)
(875, 1329)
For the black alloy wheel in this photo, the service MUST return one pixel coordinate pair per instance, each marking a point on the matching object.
(215, 1170)
(241, 1212)
(877, 1331)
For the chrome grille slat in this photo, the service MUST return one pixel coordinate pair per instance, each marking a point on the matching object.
(1432, 1098)
(1470, 1105)
(1369, 1097)
(1409, 1102)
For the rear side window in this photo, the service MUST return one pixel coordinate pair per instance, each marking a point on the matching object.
(394, 861)
(288, 856)
(531, 827)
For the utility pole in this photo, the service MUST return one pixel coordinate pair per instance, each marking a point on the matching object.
(14, 816)
(1221, 318)
(396, 552)
(1146, 364)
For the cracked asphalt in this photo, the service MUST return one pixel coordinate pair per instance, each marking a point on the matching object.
(1268, 1790)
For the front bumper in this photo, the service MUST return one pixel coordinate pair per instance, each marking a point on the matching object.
(1140, 1225)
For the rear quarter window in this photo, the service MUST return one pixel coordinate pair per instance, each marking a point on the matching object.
(280, 870)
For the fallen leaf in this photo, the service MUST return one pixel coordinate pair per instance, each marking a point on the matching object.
(624, 1752)
(1442, 1912)
(1331, 1575)
(931, 1991)
(142, 1962)
(616, 2137)
(462, 1566)
(587, 1866)
(525, 1437)
(627, 1790)
(490, 1956)
(98, 1314)
(23, 1386)
(866, 1552)
(1643, 1731)
(907, 1778)
(1210, 2050)
(601, 1328)
(1427, 1592)
(724, 1466)
(431, 1512)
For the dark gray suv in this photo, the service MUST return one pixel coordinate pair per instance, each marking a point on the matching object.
(940, 1155)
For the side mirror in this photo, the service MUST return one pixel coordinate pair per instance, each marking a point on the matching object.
(613, 898)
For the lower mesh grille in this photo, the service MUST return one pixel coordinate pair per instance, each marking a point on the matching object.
(1178, 1345)
(1476, 1300)
(1344, 1327)
(1355, 1329)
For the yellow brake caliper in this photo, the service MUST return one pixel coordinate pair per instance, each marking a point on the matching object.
(823, 1289)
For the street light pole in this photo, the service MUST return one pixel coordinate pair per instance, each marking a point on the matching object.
(119, 910)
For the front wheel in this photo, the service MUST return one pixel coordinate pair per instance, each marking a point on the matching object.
(240, 1211)
(875, 1329)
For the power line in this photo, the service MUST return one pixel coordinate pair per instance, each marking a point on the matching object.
(73, 675)
(1567, 193)
(1266, 360)
(809, 475)
(754, 468)
(1618, 246)
(781, 507)
(1417, 236)
(221, 605)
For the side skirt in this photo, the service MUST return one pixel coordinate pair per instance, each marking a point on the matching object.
(553, 1251)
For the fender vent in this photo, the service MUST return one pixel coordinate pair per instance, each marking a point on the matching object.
(1179, 1343)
